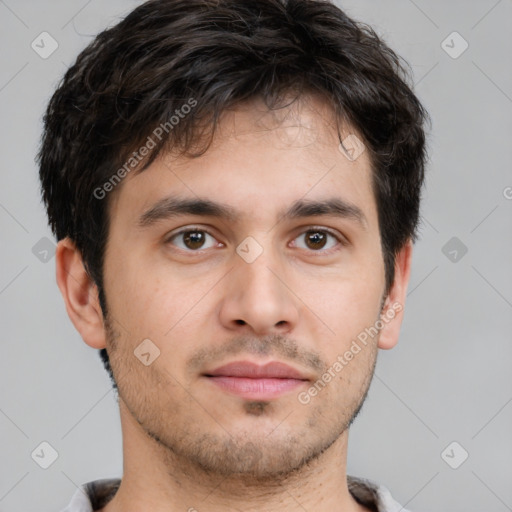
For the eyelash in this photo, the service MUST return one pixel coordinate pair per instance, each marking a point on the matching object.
(341, 241)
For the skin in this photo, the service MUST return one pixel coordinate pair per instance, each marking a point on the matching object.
(188, 444)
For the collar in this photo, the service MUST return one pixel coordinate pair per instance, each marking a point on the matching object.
(96, 494)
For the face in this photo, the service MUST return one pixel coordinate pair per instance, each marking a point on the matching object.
(249, 306)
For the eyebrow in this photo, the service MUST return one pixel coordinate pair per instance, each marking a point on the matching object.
(172, 206)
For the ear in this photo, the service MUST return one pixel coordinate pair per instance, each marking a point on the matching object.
(80, 294)
(393, 310)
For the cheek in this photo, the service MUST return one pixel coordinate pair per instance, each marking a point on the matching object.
(133, 295)
(342, 307)
(158, 301)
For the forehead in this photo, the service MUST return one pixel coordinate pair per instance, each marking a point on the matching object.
(260, 160)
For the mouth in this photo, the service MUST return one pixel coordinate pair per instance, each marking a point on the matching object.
(256, 382)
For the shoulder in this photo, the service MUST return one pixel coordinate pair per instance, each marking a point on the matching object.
(372, 495)
(93, 495)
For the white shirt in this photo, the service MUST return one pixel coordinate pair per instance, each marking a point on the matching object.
(96, 494)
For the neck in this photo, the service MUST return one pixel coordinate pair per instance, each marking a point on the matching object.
(156, 479)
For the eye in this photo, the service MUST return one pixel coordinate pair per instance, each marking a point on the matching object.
(317, 239)
(192, 240)
(197, 239)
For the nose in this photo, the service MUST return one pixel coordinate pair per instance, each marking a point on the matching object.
(258, 299)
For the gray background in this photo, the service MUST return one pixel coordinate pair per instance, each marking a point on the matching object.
(449, 378)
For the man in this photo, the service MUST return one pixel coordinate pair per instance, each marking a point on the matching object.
(235, 188)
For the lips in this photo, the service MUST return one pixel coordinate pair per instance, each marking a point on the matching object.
(257, 382)
(272, 370)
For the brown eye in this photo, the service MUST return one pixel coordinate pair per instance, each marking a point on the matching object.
(194, 239)
(191, 239)
(317, 240)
